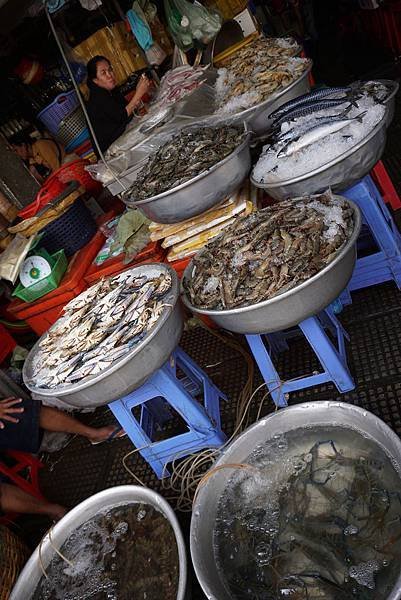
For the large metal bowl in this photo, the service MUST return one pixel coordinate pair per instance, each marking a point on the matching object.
(292, 307)
(321, 413)
(201, 193)
(132, 370)
(339, 174)
(104, 500)
(390, 100)
(257, 117)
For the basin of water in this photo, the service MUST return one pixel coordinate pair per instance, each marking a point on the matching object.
(313, 512)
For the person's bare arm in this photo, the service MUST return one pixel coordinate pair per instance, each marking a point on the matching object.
(141, 89)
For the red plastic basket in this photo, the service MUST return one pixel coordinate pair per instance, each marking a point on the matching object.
(50, 189)
(75, 170)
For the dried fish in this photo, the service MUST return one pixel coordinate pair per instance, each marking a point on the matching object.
(185, 156)
(269, 252)
(98, 328)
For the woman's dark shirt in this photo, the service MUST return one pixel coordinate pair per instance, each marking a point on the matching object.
(107, 114)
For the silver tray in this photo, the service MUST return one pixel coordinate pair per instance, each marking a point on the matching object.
(201, 193)
(292, 307)
(132, 370)
(339, 174)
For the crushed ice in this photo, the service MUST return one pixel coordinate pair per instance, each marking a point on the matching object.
(272, 168)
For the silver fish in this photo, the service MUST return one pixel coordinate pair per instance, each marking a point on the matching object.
(316, 133)
(306, 99)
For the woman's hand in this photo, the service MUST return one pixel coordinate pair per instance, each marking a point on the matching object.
(143, 86)
(8, 408)
(141, 89)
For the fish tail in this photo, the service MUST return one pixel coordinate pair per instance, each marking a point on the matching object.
(360, 116)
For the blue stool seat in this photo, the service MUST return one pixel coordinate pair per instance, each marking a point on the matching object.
(332, 359)
(384, 264)
(180, 385)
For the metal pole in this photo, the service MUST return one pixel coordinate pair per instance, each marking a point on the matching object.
(78, 91)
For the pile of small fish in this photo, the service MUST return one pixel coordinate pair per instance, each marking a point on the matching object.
(269, 252)
(185, 156)
(256, 71)
(316, 128)
(98, 327)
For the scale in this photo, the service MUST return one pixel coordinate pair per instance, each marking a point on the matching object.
(36, 268)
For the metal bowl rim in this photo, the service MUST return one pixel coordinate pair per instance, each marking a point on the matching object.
(213, 168)
(380, 125)
(391, 83)
(279, 297)
(303, 407)
(275, 96)
(94, 379)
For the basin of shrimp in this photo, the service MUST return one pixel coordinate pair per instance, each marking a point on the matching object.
(317, 514)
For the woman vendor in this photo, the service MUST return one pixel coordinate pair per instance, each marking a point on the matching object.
(108, 110)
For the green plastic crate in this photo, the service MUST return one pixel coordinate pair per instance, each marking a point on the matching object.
(46, 285)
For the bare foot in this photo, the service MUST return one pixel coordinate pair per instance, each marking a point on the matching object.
(56, 511)
(103, 433)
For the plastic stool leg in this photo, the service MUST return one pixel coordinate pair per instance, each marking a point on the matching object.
(136, 434)
(330, 358)
(187, 407)
(384, 265)
(267, 369)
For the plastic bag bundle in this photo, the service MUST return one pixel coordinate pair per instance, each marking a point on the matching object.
(191, 24)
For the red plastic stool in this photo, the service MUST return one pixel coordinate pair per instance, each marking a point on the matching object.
(385, 185)
(30, 485)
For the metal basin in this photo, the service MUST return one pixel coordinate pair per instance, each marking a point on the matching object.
(390, 100)
(124, 494)
(339, 174)
(129, 373)
(199, 194)
(292, 307)
(256, 117)
(311, 413)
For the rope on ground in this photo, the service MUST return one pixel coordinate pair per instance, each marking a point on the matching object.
(189, 474)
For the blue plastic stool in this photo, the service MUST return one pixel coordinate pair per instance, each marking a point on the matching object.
(181, 390)
(384, 265)
(332, 359)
